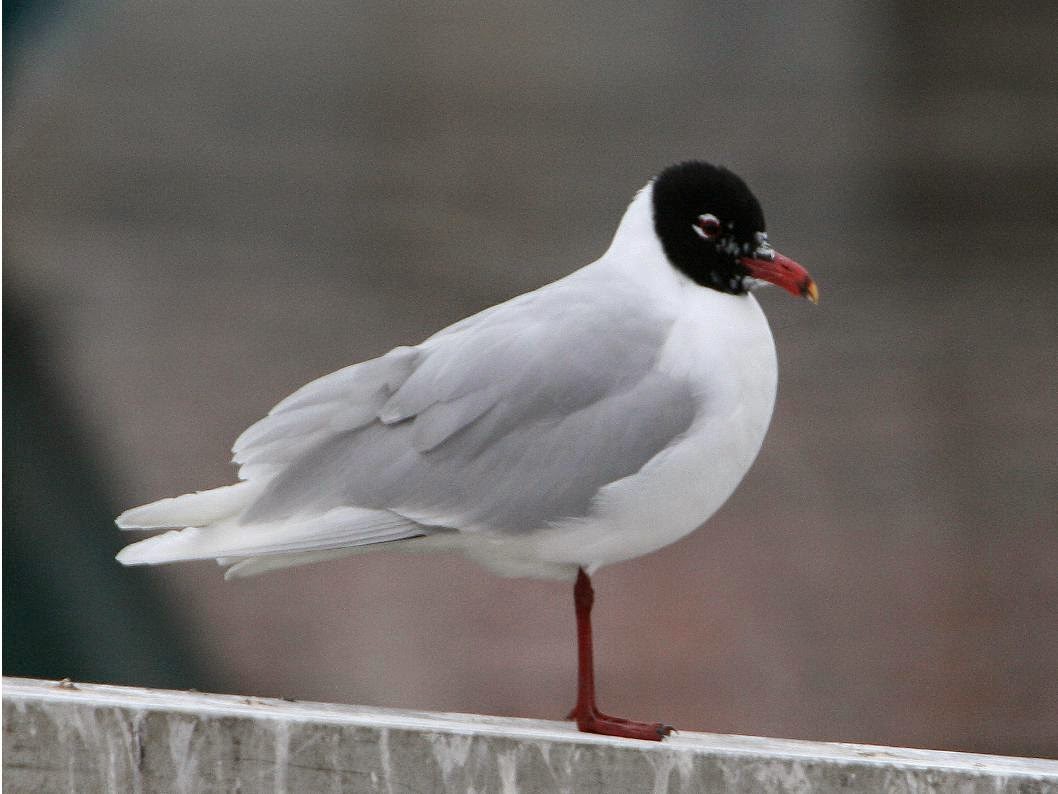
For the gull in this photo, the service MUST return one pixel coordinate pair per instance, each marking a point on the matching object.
(596, 419)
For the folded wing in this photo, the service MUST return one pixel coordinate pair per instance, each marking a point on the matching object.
(509, 421)
(508, 424)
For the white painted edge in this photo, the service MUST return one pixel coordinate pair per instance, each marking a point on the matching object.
(711, 744)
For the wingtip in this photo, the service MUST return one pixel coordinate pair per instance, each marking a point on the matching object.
(171, 546)
(127, 557)
(143, 516)
(124, 521)
(139, 553)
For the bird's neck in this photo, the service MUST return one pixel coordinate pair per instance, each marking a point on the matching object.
(636, 255)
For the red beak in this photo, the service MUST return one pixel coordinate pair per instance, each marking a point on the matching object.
(783, 272)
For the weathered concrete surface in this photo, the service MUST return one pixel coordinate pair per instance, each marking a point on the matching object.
(86, 738)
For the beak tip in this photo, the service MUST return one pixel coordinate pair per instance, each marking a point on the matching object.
(811, 291)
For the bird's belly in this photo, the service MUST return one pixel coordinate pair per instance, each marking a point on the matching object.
(667, 500)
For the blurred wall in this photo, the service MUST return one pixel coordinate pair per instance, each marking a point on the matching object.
(210, 204)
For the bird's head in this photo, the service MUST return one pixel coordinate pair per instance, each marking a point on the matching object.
(711, 228)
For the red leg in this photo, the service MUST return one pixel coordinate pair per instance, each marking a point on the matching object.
(589, 718)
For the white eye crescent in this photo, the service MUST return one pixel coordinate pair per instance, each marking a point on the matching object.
(707, 226)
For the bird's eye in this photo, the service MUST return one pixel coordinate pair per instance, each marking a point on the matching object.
(707, 226)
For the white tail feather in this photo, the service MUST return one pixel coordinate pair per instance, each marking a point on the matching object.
(340, 528)
(193, 509)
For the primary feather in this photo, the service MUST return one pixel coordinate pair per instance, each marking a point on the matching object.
(338, 528)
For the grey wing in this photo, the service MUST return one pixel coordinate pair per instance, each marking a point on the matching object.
(343, 400)
(510, 423)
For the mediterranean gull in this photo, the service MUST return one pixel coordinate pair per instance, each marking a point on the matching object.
(588, 422)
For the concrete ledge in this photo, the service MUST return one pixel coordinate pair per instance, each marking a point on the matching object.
(84, 738)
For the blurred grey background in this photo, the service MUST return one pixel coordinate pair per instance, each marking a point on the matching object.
(208, 204)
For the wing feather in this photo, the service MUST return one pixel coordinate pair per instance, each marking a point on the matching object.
(343, 400)
(510, 421)
(338, 528)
